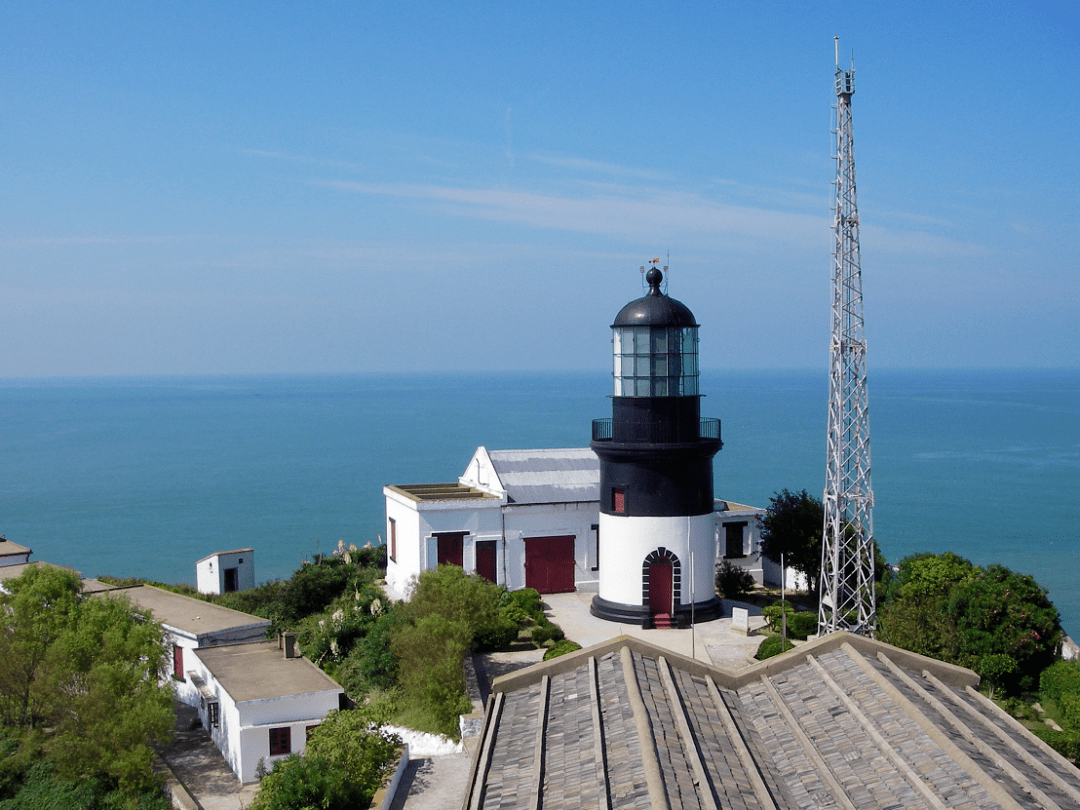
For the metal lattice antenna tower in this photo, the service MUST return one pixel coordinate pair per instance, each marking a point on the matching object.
(847, 553)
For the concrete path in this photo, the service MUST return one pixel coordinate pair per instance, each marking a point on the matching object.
(200, 769)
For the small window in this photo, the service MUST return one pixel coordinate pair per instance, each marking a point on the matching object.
(280, 742)
(178, 662)
(392, 551)
(618, 500)
(308, 731)
(213, 714)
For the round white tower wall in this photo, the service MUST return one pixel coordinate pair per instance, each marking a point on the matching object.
(626, 542)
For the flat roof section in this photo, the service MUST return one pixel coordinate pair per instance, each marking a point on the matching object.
(260, 671)
(14, 571)
(440, 492)
(9, 549)
(185, 614)
(222, 553)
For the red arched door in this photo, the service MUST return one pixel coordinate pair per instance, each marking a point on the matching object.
(660, 587)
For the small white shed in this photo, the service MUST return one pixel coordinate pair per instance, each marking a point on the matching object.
(226, 571)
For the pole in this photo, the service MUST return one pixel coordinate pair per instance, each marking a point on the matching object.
(783, 604)
(693, 637)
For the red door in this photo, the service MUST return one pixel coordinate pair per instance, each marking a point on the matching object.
(450, 549)
(485, 560)
(549, 564)
(660, 587)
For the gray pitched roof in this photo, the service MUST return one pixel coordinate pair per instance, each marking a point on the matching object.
(843, 721)
(564, 475)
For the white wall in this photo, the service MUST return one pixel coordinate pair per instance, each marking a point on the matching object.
(625, 542)
(550, 520)
(419, 521)
(209, 572)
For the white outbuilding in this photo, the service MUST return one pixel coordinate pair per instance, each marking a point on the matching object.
(226, 571)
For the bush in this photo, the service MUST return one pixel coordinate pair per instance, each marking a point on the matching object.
(733, 581)
(772, 646)
(528, 599)
(1066, 743)
(802, 624)
(774, 612)
(430, 655)
(1059, 679)
(449, 592)
(561, 648)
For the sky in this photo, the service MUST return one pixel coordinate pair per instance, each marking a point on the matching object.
(204, 187)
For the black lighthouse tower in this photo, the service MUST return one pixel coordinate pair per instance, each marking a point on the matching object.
(657, 543)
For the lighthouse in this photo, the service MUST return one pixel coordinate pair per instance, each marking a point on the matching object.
(656, 543)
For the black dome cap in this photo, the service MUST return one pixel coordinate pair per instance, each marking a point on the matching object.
(655, 309)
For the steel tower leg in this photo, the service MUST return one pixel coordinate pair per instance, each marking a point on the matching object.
(847, 552)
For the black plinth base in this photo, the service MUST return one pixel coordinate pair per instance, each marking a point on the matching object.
(705, 611)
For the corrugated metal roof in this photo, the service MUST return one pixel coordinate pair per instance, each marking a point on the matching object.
(561, 475)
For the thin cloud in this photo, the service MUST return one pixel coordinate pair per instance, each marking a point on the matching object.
(581, 164)
(264, 153)
(54, 241)
(656, 212)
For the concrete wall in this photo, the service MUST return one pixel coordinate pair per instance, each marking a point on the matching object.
(625, 542)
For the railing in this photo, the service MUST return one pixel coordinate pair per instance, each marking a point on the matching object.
(708, 428)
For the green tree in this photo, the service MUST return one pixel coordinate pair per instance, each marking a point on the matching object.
(913, 614)
(1000, 612)
(942, 606)
(792, 526)
(346, 760)
(87, 674)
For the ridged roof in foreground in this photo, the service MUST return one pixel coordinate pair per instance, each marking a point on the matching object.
(842, 722)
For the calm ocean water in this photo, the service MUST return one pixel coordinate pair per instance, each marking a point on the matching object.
(143, 476)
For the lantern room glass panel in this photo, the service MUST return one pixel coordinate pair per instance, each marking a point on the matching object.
(655, 361)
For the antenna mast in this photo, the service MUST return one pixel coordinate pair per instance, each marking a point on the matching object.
(847, 549)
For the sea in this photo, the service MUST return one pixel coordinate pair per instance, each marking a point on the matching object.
(143, 476)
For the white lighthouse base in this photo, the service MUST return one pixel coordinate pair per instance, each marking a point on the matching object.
(631, 548)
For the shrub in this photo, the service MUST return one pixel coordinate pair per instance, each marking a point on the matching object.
(449, 592)
(1066, 743)
(528, 599)
(772, 646)
(1059, 679)
(802, 624)
(994, 669)
(430, 655)
(1070, 711)
(501, 635)
(561, 648)
(733, 581)
(775, 611)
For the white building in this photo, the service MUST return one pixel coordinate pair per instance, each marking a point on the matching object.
(12, 553)
(226, 571)
(190, 624)
(257, 698)
(260, 701)
(520, 518)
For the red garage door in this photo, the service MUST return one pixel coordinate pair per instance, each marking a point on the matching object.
(549, 564)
